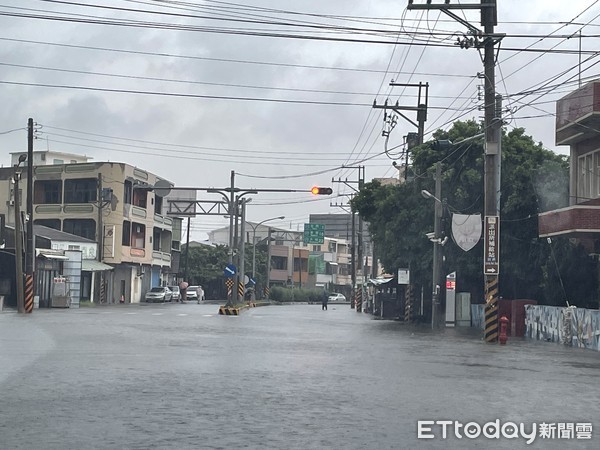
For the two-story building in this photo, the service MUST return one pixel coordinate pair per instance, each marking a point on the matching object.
(578, 126)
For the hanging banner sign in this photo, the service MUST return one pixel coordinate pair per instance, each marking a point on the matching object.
(491, 257)
(466, 230)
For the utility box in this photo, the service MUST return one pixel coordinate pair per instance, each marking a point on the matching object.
(463, 309)
(60, 293)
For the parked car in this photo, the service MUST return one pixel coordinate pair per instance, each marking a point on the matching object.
(176, 293)
(195, 293)
(159, 294)
(337, 297)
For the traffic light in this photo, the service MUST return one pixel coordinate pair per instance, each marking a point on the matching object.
(316, 190)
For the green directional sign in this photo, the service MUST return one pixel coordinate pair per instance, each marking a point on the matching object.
(314, 233)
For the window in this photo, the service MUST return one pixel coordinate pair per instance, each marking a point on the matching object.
(278, 263)
(316, 248)
(81, 190)
(58, 161)
(158, 203)
(300, 264)
(156, 240)
(588, 167)
(47, 192)
(126, 238)
(128, 192)
(50, 223)
(85, 228)
(140, 197)
(138, 235)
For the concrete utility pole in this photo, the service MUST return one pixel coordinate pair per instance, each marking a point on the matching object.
(493, 123)
(29, 270)
(435, 298)
(356, 263)
(19, 239)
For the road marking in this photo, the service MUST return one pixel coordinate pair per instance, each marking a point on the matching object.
(131, 313)
(157, 314)
(183, 315)
(207, 315)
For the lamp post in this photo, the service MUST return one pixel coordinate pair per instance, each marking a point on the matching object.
(435, 300)
(254, 227)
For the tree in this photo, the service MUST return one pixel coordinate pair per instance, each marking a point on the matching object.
(399, 217)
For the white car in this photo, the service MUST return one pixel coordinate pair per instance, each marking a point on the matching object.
(159, 294)
(333, 298)
(195, 293)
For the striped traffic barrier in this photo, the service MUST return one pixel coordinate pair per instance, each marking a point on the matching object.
(229, 311)
(408, 300)
(491, 309)
(28, 293)
(358, 297)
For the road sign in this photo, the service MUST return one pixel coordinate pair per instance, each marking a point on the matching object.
(403, 276)
(491, 257)
(230, 271)
(314, 233)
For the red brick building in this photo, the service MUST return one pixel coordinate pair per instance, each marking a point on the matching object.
(578, 126)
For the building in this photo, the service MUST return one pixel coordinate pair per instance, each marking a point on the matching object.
(578, 126)
(112, 204)
(340, 226)
(294, 263)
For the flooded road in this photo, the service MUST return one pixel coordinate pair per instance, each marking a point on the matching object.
(280, 377)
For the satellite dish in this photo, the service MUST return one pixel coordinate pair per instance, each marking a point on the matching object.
(162, 188)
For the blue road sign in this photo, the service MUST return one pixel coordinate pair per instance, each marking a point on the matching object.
(230, 271)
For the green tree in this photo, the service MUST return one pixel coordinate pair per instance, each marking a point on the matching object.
(533, 180)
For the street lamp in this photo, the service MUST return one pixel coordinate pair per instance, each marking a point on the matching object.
(254, 240)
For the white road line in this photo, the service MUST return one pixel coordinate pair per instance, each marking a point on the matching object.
(131, 313)
(208, 315)
(157, 314)
(180, 315)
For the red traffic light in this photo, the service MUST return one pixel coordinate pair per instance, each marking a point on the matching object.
(316, 190)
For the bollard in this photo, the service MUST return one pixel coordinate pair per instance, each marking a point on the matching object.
(503, 326)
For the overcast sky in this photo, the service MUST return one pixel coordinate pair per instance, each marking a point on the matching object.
(279, 92)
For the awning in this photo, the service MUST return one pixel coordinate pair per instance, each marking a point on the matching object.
(91, 265)
(379, 281)
(51, 254)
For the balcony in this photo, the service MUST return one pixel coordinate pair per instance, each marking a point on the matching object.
(161, 258)
(574, 221)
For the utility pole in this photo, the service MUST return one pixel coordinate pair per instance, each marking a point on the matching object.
(269, 261)
(356, 252)
(29, 270)
(493, 123)
(435, 284)
(242, 251)
(420, 109)
(18, 244)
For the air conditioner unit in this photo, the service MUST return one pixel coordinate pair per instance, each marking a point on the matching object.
(11, 203)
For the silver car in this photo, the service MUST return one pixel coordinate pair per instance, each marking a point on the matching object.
(159, 294)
